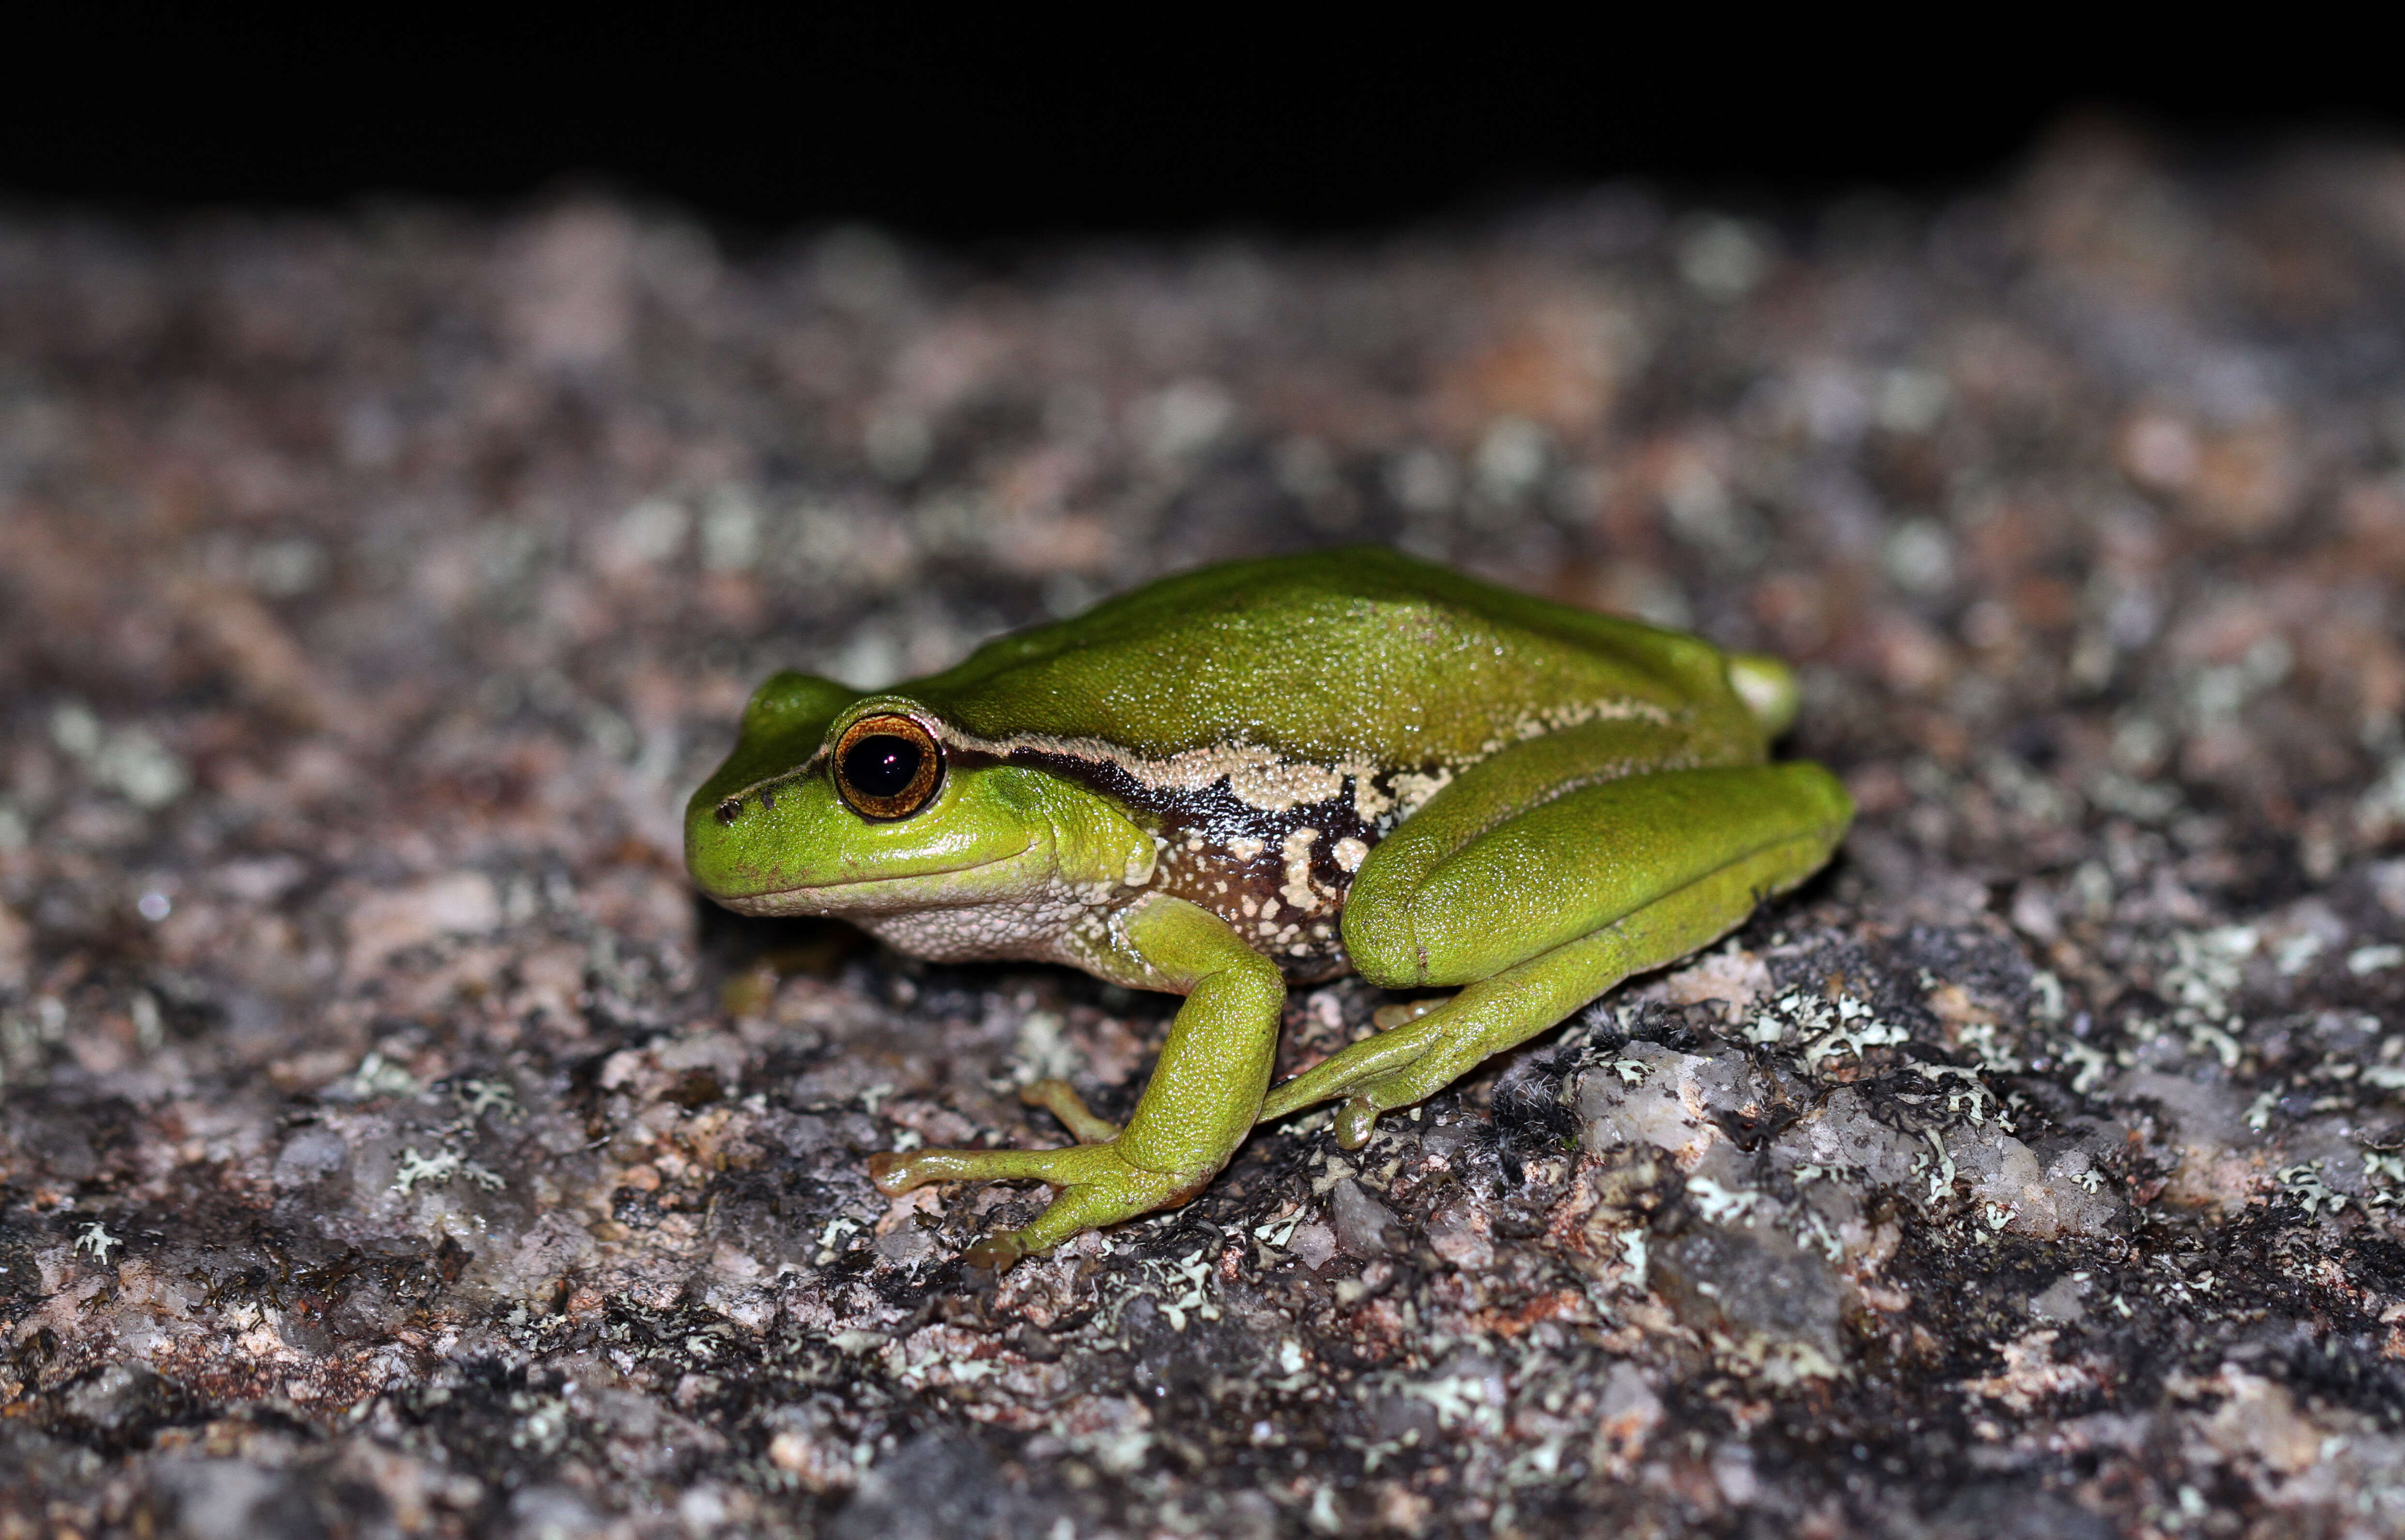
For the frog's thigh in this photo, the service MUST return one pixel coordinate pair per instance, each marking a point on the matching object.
(1424, 912)
(1547, 910)
(1200, 1101)
(1503, 1012)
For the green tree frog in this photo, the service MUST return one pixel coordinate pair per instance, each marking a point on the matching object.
(1266, 773)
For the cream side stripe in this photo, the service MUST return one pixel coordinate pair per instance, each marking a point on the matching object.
(1267, 780)
(1263, 778)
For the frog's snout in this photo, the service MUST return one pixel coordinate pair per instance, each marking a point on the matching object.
(731, 808)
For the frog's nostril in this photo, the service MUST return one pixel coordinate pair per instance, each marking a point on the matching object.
(731, 810)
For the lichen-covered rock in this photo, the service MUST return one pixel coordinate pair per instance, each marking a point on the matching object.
(390, 1144)
(1778, 1301)
(1651, 1096)
(1841, 1135)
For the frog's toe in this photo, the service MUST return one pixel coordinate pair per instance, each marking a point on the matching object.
(895, 1172)
(1094, 1185)
(996, 1252)
(1356, 1121)
(892, 1174)
(1072, 1166)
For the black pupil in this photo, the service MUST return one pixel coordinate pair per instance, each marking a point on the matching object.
(881, 765)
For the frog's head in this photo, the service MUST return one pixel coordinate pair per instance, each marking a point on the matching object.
(837, 803)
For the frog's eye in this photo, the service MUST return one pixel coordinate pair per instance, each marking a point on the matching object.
(887, 768)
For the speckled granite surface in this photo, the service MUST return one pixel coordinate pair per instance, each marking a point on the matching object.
(390, 1146)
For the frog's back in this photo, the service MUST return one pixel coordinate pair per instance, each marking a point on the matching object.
(1358, 655)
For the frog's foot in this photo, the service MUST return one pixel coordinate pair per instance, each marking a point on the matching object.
(1408, 1032)
(1094, 1184)
(1426, 1047)
(1420, 1056)
(1411, 1061)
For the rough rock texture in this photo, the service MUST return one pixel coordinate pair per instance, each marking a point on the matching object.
(391, 1145)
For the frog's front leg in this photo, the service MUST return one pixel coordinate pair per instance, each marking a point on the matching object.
(1538, 912)
(1201, 1102)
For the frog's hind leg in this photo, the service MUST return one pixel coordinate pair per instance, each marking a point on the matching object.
(1537, 910)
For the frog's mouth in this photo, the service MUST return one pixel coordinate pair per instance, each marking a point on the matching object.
(889, 891)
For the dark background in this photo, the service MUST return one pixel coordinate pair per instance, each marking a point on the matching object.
(982, 130)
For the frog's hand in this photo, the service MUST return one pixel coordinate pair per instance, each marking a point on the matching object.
(1201, 1102)
(1541, 910)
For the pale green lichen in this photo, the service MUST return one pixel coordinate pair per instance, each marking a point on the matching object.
(95, 1239)
(1810, 1230)
(1968, 1088)
(2384, 1173)
(2298, 953)
(479, 1096)
(2092, 1064)
(1720, 1206)
(1987, 1045)
(377, 1076)
(837, 1229)
(1176, 1289)
(1845, 1026)
(1278, 1230)
(439, 1168)
(2208, 967)
(2374, 960)
(1459, 1400)
(2048, 989)
(1636, 1252)
(1940, 1170)
(2304, 1184)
